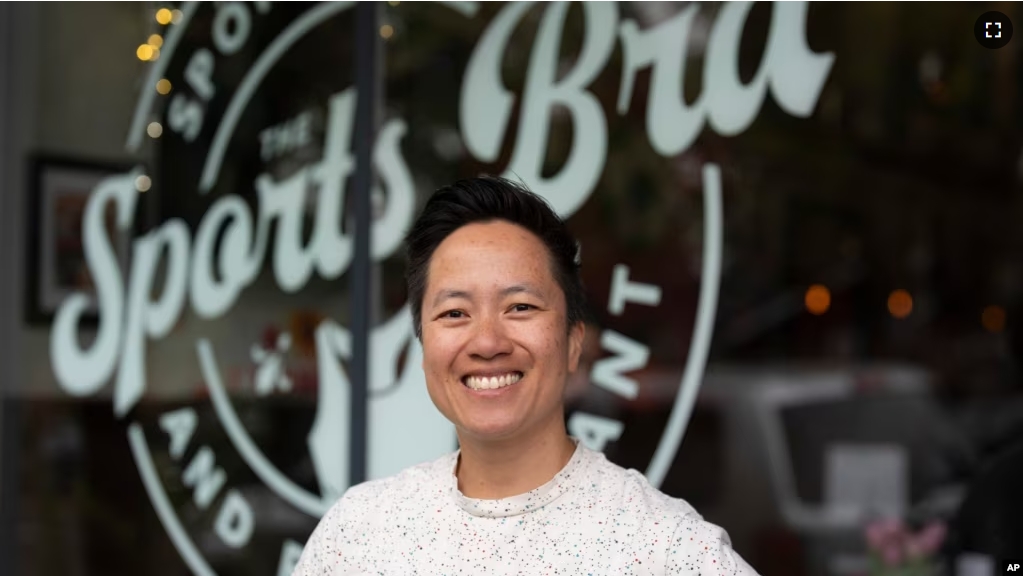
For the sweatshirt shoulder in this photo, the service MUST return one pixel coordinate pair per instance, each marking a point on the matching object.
(409, 483)
(350, 522)
(692, 545)
(634, 490)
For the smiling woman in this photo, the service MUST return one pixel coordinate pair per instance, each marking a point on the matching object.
(499, 306)
(507, 317)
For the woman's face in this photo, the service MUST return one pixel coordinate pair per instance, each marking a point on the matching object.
(496, 351)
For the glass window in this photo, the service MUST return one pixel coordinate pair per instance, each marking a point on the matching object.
(797, 228)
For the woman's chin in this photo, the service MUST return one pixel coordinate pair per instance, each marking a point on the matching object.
(489, 431)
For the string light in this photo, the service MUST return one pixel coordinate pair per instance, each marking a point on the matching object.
(144, 52)
(155, 129)
(817, 299)
(386, 31)
(164, 16)
(900, 304)
(993, 319)
(163, 86)
(143, 183)
(176, 16)
(155, 40)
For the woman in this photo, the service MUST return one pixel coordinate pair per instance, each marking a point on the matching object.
(499, 307)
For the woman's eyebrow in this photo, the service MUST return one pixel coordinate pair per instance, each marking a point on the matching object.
(521, 289)
(449, 293)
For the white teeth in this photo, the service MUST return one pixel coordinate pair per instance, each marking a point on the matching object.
(492, 383)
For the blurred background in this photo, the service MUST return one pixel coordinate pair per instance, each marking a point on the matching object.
(798, 229)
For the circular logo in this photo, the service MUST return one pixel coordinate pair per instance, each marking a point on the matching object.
(263, 157)
(993, 30)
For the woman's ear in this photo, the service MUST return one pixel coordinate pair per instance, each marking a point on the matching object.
(576, 337)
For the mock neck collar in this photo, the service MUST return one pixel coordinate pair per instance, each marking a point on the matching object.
(523, 503)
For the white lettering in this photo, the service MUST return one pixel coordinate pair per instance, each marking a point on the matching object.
(390, 228)
(284, 138)
(199, 73)
(179, 425)
(213, 279)
(184, 116)
(622, 291)
(608, 372)
(329, 249)
(237, 262)
(594, 431)
(293, 263)
(795, 74)
(231, 27)
(145, 317)
(485, 104)
(575, 181)
(204, 478)
(234, 520)
(270, 375)
(671, 124)
(291, 553)
(80, 372)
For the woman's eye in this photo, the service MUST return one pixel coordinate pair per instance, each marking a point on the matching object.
(452, 314)
(522, 307)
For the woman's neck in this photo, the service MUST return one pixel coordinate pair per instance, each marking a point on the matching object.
(494, 469)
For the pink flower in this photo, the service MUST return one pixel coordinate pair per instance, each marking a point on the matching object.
(931, 537)
(885, 531)
(891, 554)
(914, 548)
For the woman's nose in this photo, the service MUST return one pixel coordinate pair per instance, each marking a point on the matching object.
(489, 338)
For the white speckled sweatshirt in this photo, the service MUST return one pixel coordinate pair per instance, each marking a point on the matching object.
(592, 518)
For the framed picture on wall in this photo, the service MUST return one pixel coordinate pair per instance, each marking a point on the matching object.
(55, 266)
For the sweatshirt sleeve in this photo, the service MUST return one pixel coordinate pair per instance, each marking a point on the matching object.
(699, 547)
(322, 555)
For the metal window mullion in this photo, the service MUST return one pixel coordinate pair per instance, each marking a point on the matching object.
(366, 20)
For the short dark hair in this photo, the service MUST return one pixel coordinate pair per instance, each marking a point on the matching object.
(484, 199)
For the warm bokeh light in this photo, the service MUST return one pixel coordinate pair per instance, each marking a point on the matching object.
(144, 52)
(155, 129)
(817, 299)
(993, 319)
(142, 183)
(900, 303)
(156, 53)
(386, 31)
(164, 16)
(155, 40)
(163, 86)
(176, 16)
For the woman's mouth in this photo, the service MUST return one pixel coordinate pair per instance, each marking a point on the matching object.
(492, 382)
